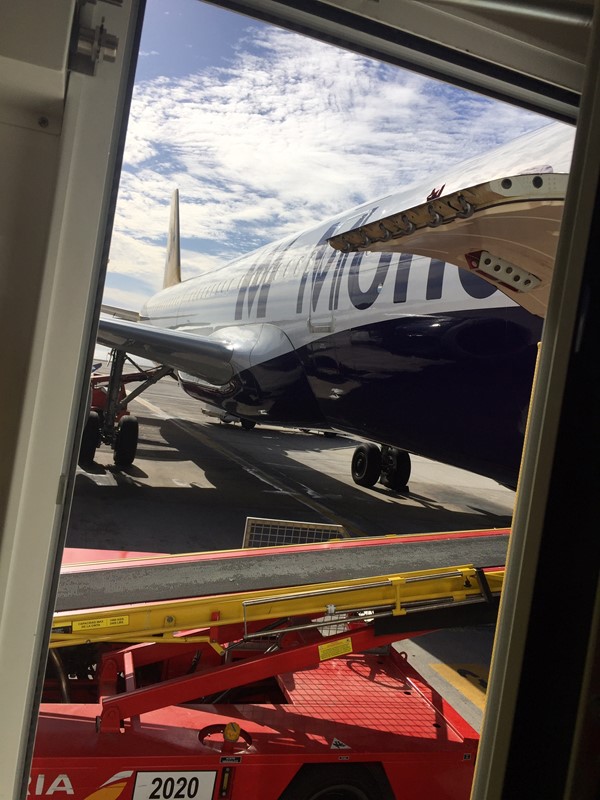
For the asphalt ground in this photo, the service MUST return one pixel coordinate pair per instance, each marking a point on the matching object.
(196, 481)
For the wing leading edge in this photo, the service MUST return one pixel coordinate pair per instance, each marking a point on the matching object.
(215, 360)
(197, 355)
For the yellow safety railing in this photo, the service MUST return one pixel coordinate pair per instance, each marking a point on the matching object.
(180, 621)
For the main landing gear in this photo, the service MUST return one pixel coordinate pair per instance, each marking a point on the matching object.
(388, 465)
(108, 420)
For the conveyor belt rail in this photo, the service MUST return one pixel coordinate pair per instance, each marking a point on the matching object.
(191, 620)
(299, 628)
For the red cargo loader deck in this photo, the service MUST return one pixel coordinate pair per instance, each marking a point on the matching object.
(294, 696)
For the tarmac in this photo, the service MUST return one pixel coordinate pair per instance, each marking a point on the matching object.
(196, 482)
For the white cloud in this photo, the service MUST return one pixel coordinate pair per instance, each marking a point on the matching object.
(290, 132)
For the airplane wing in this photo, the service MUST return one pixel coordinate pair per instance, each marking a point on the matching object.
(120, 313)
(505, 230)
(215, 360)
(198, 355)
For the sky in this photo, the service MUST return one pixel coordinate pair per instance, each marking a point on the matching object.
(266, 133)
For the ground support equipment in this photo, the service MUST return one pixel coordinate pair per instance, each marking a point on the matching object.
(288, 693)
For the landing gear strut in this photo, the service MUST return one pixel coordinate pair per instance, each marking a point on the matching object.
(109, 422)
(390, 466)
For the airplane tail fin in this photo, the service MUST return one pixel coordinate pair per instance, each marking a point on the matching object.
(173, 260)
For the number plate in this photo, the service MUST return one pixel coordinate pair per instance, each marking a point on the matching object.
(174, 785)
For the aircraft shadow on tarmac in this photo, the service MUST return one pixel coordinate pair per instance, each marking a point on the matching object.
(116, 508)
(281, 443)
(388, 511)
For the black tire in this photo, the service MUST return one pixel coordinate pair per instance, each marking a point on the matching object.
(247, 424)
(90, 438)
(366, 464)
(395, 468)
(126, 441)
(334, 782)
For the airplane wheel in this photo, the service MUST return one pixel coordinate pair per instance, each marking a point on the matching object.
(247, 424)
(90, 438)
(395, 468)
(126, 441)
(366, 465)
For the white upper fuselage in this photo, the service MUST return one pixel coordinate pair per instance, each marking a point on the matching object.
(307, 289)
(251, 290)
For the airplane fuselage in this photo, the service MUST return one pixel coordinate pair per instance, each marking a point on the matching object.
(398, 349)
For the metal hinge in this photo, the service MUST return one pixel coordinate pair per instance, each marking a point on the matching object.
(89, 45)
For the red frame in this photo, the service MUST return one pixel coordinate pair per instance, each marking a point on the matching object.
(377, 708)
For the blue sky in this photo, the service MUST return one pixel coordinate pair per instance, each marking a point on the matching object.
(266, 133)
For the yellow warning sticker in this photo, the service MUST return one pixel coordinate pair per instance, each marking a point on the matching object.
(340, 648)
(98, 623)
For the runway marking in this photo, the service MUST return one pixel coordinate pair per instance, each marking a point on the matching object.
(158, 412)
(275, 483)
(470, 680)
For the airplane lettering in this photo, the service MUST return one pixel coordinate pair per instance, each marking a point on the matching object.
(402, 273)
(278, 257)
(336, 282)
(254, 290)
(435, 279)
(248, 289)
(300, 300)
(318, 274)
(257, 278)
(61, 783)
(474, 286)
(363, 300)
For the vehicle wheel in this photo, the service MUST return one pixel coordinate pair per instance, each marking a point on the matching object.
(247, 424)
(334, 783)
(395, 468)
(90, 438)
(126, 441)
(366, 464)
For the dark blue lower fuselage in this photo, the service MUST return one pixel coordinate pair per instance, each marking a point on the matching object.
(454, 388)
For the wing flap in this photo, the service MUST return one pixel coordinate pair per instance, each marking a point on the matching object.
(197, 355)
(514, 220)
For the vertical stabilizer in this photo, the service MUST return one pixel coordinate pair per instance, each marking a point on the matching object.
(173, 261)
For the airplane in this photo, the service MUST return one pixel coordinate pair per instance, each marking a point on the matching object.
(411, 322)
